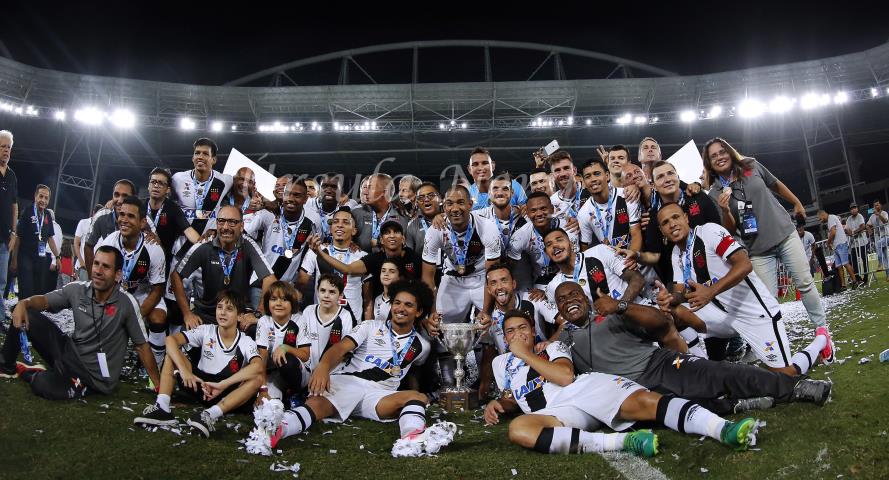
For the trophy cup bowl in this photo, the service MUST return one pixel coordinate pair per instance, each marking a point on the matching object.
(460, 339)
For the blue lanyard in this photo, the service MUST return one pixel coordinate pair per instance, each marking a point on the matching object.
(157, 216)
(231, 201)
(539, 239)
(423, 223)
(398, 357)
(39, 220)
(347, 256)
(228, 266)
(656, 200)
(505, 238)
(129, 259)
(605, 225)
(687, 257)
(575, 202)
(325, 227)
(460, 254)
(725, 181)
(376, 224)
(289, 238)
(510, 371)
(578, 264)
(199, 198)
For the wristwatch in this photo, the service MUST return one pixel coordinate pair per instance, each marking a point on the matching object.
(622, 307)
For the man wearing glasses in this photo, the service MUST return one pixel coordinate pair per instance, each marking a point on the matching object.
(225, 263)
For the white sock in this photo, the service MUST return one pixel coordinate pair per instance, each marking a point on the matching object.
(574, 440)
(695, 345)
(297, 421)
(685, 416)
(163, 401)
(805, 359)
(412, 417)
(215, 412)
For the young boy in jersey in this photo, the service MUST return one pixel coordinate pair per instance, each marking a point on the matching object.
(325, 324)
(220, 368)
(382, 353)
(276, 341)
(390, 272)
(560, 411)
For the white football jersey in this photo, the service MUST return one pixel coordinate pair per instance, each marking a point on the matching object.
(713, 245)
(540, 311)
(484, 245)
(319, 335)
(604, 264)
(149, 269)
(217, 358)
(528, 239)
(600, 220)
(529, 389)
(374, 354)
(270, 335)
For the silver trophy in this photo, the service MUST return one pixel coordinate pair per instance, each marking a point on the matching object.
(460, 339)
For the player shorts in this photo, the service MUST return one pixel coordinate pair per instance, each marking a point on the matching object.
(349, 394)
(161, 305)
(767, 337)
(841, 254)
(457, 295)
(592, 398)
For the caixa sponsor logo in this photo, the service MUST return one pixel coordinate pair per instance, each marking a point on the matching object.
(279, 249)
(378, 362)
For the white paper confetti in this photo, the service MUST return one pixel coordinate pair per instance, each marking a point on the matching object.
(514, 472)
(704, 470)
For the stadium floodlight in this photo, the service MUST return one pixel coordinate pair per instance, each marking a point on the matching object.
(655, 119)
(751, 108)
(781, 104)
(123, 118)
(31, 111)
(441, 126)
(624, 119)
(463, 125)
(454, 122)
(570, 121)
(234, 128)
(874, 92)
(840, 98)
(808, 101)
(19, 110)
(89, 116)
(715, 111)
(561, 123)
(216, 126)
(187, 124)
(688, 116)
(589, 121)
(373, 126)
(60, 115)
(6, 107)
(640, 119)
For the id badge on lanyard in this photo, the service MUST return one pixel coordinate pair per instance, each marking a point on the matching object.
(41, 249)
(748, 218)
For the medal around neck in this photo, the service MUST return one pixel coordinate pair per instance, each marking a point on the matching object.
(460, 339)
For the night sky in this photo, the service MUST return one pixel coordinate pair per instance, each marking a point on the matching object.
(213, 45)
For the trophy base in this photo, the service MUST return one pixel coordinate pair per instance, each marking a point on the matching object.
(452, 401)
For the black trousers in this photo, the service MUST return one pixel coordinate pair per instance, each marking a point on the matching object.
(32, 273)
(714, 385)
(66, 377)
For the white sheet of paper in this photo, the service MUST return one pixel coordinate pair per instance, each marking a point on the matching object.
(103, 365)
(265, 181)
(688, 163)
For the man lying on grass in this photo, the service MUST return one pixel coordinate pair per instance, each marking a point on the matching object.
(560, 411)
(220, 368)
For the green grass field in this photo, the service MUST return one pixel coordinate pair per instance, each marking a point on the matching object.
(95, 438)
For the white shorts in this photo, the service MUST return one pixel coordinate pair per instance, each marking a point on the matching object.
(596, 395)
(350, 394)
(767, 338)
(161, 305)
(457, 295)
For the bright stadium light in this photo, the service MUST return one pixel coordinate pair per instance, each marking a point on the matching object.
(234, 128)
(123, 118)
(19, 110)
(441, 126)
(874, 92)
(781, 104)
(715, 111)
(840, 98)
(6, 107)
(751, 108)
(688, 116)
(808, 101)
(216, 126)
(463, 125)
(655, 120)
(31, 111)
(640, 119)
(89, 116)
(589, 121)
(570, 121)
(60, 115)
(624, 119)
(187, 124)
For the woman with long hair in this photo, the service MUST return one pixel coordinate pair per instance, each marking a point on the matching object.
(743, 188)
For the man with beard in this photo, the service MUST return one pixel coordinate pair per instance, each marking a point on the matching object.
(428, 207)
(507, 217)
(481, 169)
(226, 263)
(569, 196)
(527, 242)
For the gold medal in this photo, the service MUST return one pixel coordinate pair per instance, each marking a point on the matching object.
(373, 243)
(461, 270)
(582, 282)
(226, 280)
(288, 253)
(506, 393)
(395, 371)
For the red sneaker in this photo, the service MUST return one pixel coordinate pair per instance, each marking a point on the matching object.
(277, 436)
(827, 351)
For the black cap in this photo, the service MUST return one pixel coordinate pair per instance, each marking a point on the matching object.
(853, 205)
(393, 225)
